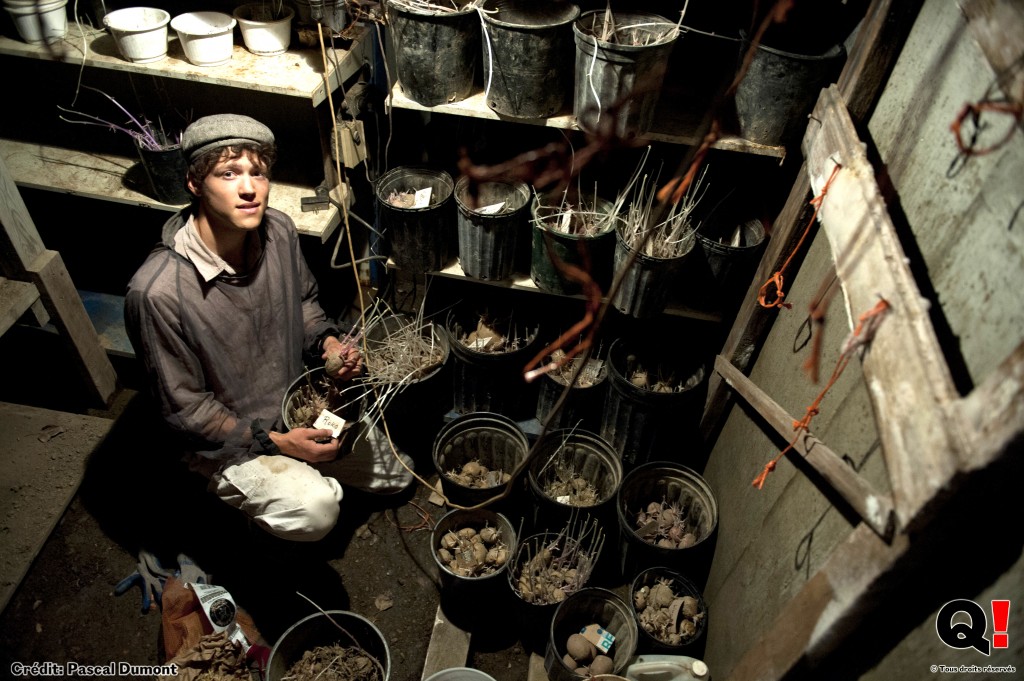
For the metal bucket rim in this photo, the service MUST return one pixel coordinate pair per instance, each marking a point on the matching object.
(584, 38)
(348, 613)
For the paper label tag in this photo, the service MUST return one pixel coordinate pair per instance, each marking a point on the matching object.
(330, 420)
(490, 210)
(563, 499)
(599, 636)
(422, 198)
(217, 605)
(480, 343)
(563, 225)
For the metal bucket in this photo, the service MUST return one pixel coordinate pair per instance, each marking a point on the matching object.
(527, 56)
(488, 238)
(418, 237)
(618, 84)
(678, 486)
(492, 440)
(318, 630)
(583, 608)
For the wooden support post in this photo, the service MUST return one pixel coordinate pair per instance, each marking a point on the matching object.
(873, 508)
(25, 258)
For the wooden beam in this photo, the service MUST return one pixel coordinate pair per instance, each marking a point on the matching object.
(877, 45)
(873, 508)
(905, 371)
(993, 413)
(448, 647)
(76, 329)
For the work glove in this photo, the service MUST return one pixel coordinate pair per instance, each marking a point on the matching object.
(150, 576)
(190, 573)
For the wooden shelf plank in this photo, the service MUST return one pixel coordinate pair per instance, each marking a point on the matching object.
(296, 73)
(474, 106)
(523, 282)
(101, 176)
(15, 298)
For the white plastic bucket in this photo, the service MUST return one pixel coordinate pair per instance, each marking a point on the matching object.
(206, 37)
(140, 33)
(39, 23)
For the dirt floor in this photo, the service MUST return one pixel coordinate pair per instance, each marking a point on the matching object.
(376, 563)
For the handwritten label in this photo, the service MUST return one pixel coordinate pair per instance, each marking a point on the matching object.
(421, 198)
(480, 343)
(492, 209)
(330, 420)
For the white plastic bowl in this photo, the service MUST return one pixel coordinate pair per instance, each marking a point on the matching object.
(206, 37)
(140, 33)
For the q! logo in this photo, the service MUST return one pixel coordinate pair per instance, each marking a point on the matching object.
(971, 634)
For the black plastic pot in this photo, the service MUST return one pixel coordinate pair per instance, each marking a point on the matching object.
(585, 607)
(720, 270)
(527, 57)
(642, 423)
(779, 89)
(618, 83)
(492, 381)
(435, 53)
(579, 453)
(593, 253)
(414, 409)
(649, 281)
(671, 483)
(488, 238)
(581, 407)
(491, 440)
(419, 238)
(166, 169)
(681, 586)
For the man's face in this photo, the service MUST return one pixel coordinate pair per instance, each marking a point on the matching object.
(234, 194)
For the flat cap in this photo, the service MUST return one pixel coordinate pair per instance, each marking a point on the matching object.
(221, 130)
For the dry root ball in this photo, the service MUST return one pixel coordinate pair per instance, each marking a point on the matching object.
(492, 336)
(584, 658)
(665, 525)
(660, 379)
(671, 619)
(571, 488)
(477, 476)
(402, 199)
(334, 663)
(315, 396)
(471, 553)
(593, 372)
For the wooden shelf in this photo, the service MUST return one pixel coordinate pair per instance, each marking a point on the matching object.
(474, 106)
(523, 282)
(102, 176)
(296, 73)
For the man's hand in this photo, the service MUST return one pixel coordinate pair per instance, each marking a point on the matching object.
(342, 360)
(302, 443)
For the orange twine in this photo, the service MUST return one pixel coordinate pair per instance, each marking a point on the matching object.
(862, 334)
(762, 294)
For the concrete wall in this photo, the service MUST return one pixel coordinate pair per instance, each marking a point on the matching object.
(969, 238)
